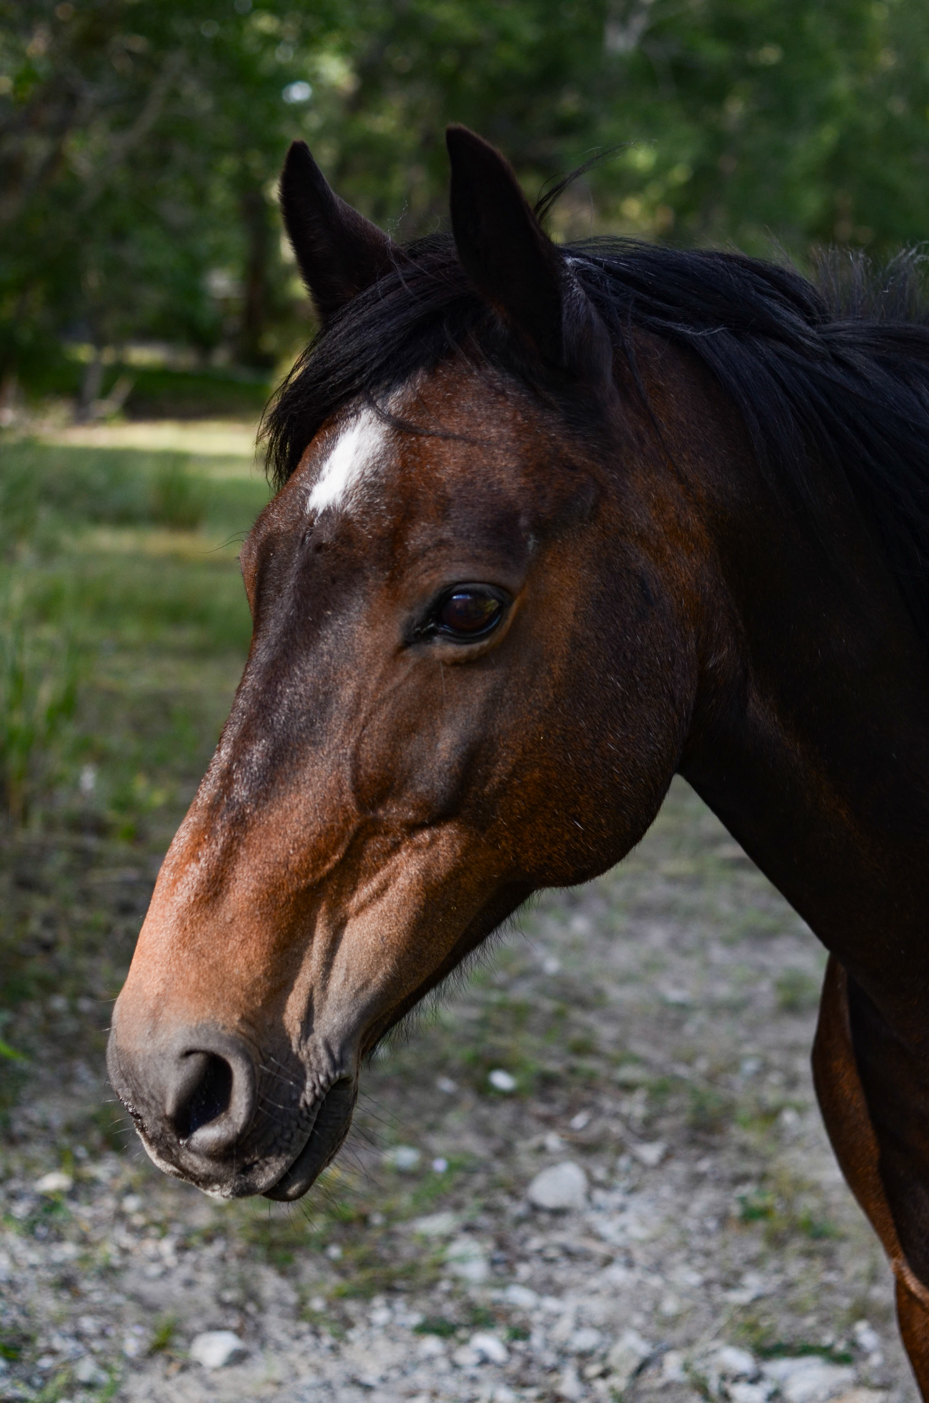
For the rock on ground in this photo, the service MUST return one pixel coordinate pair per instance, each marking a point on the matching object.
(214, 1349)
(560, 1187)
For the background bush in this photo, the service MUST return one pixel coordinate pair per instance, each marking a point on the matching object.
(140, 144)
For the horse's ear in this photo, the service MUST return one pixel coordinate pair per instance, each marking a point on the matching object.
(339, 252)
(502, 246)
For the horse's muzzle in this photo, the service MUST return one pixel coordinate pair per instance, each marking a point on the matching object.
(210, 1111)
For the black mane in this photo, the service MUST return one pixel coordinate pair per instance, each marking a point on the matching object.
(837, 373)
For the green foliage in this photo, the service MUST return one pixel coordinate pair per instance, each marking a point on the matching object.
(163, 1334)
(786, 1207)
(710, 1111)
(139, 144)
(45, 491)
(177, 498)
(38, 696)
(436, 1325)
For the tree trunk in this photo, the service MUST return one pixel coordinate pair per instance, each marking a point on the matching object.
(255, 290)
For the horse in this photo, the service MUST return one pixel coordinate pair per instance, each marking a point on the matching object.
(553, 523)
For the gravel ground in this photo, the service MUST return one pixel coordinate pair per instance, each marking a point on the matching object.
(650, 1030)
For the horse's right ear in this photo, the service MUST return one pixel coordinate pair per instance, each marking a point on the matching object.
(339, 252)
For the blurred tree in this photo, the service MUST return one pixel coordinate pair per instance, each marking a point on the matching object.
(138, 148)
(740, 118)
(140, 139)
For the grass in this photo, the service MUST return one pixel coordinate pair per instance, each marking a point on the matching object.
(758, 1334)
(797, 991)
(39, 672)
(786, 1207)
(163, 1334)
(123, 629)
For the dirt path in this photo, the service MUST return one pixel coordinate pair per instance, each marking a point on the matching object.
(653, 1029)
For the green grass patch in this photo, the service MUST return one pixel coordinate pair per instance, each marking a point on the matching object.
(764, 1338)
(797, 991)
(163, 1335)
(709, 1111)
(786, 1208)
(436, 1325)
(123, 630)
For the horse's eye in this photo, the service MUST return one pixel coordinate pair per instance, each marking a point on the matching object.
(468, 612)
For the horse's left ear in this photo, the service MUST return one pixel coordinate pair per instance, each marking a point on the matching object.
(339, 252)
(515, 266)
(501, 245)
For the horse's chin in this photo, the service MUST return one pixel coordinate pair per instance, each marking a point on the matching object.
(329, 1129)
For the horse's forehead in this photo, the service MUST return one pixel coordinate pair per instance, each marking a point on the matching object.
(351, 456)
(418, 437)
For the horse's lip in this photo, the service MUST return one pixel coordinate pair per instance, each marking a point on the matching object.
(329, 1128)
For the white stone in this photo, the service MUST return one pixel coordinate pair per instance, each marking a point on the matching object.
(570, 1386)
(650, 1153)
(431, 1347)
(501, 1080)
(808, 1379)
(466, 1259)
(55, 1182)
(562, 1187)
(489, 1347)
(626, 1356)
(632, 1074)
(523, 1297)
(751, 1288)
(88, 1373)
(673, 1370)
(734, 1363)
(214, 1349)
(404, 1158)
(863, 1395)
(584, 1340)
(866, 1337)
(741, 1392)
(435, 1225)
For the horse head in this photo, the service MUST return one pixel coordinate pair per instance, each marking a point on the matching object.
(468, 677)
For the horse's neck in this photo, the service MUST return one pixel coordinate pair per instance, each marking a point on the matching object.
(814, 750)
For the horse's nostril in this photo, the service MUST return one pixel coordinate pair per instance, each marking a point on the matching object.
(202, 1093)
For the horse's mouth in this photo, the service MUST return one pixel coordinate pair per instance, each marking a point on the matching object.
(328, 1131)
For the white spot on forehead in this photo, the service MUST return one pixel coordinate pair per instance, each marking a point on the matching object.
(351, 459)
